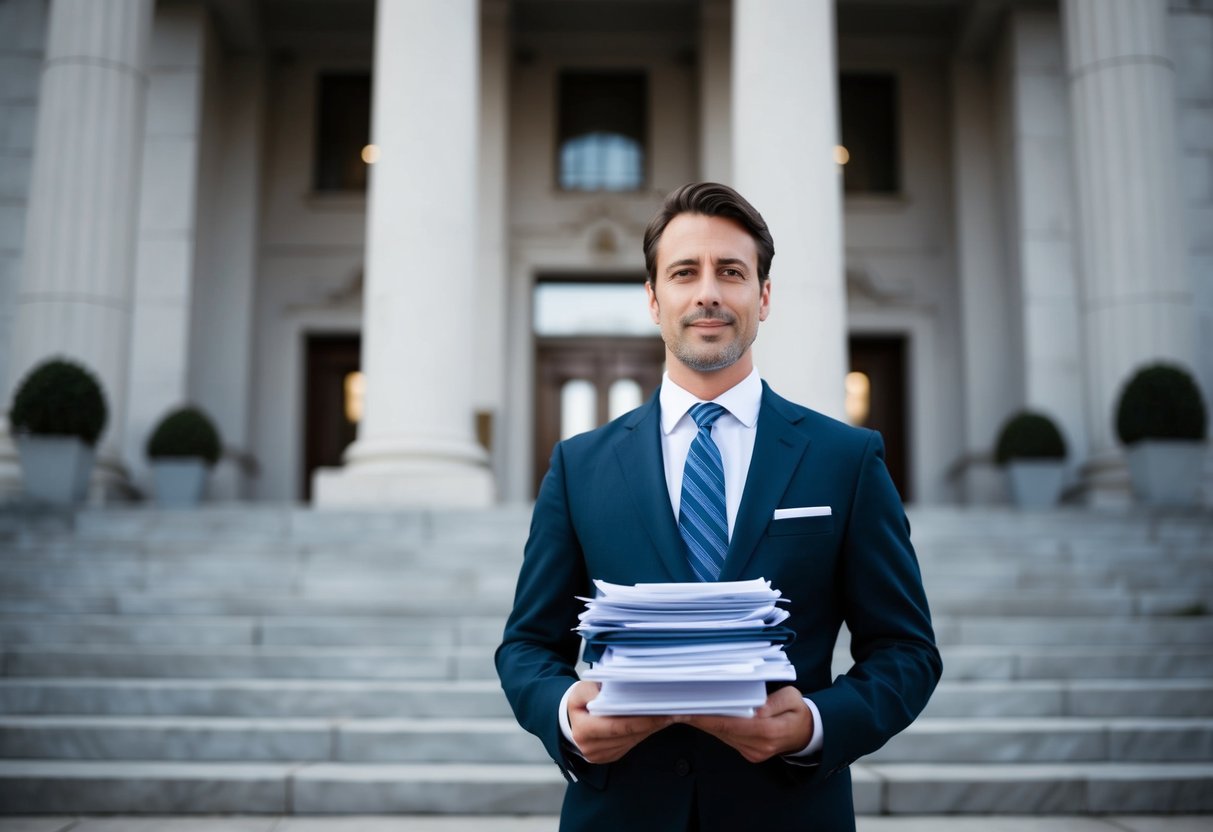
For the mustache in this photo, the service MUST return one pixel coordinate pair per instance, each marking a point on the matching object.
(709, 314)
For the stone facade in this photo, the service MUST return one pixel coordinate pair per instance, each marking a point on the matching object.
(995, 260)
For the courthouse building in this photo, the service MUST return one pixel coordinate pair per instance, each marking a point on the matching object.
(393, 246)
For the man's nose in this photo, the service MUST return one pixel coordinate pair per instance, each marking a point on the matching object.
(708, 293)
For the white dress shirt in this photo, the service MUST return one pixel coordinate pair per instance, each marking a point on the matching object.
(733, 432)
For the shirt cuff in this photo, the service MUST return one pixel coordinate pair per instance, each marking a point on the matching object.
(563, 716)
(818, 738)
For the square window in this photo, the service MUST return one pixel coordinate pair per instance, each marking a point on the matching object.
(343, 129)
(602, 124)
(868, 113)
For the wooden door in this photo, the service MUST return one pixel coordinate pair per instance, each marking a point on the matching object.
(882, 361)
(598, 378)
(332, 402)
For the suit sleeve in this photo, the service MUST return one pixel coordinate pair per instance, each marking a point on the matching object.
(537, 658)
(897, 664)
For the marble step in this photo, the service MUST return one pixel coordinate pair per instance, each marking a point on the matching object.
(363, 630)
(500, 740)
(288, 698)
(1071, 662)
(475, 662)
(38, 786)
(328, 601)
(243, 577)
(445, 632)
(235, 661)
(1038, 789)
(301, 698)
(324, 601)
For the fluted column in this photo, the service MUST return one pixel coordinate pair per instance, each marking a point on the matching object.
(785, 128)
(1137, 302)
(75, 290)
(416, 444)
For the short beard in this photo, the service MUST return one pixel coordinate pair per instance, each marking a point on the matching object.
(726, 356)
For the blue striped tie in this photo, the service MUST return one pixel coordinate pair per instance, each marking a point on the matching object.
(701, 514)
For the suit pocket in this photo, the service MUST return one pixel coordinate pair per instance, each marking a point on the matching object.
(823, 524)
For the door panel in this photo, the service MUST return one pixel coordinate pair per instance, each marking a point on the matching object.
(882, 360)
(332, 400)
(600, 378)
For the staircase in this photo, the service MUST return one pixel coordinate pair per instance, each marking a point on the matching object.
(283, 660)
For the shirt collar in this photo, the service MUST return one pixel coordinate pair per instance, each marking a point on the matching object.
(742, 400)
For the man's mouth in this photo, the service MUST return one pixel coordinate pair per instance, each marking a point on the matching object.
(710, 320)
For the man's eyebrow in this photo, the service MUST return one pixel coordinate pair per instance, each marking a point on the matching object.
(723, 261)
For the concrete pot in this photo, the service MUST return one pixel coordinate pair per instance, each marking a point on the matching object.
(1035, 483)
(1166, 472)
(179, 481)
(55, 469)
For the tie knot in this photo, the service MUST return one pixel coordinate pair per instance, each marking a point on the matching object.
(705, 414)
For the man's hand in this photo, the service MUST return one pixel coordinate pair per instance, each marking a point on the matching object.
(604, 739)
(783, 725)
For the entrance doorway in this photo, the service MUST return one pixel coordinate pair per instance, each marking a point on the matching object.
(333, 401)
(582, 383)
(876, 399)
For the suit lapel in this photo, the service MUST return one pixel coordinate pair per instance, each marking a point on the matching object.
(640, 457)
(778, 448)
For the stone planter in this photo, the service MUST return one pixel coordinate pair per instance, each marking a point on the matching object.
(1035, 483)
(55, 469)
(1166, 472)
(179, 481)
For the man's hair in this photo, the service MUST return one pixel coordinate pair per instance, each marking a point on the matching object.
(713, 200)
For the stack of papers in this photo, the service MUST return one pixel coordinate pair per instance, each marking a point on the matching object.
(684, 648)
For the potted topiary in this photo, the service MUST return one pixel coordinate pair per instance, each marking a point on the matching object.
(57, 415)
(1161, 418)
(1033, 451)
(182, 448)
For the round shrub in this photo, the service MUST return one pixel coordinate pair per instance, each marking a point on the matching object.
(1029, 435)
(1160, 401)
(186, 432)
(59, 398)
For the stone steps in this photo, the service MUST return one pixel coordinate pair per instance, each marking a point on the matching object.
(280, 660)
(197, 601)
(302, 698)
(500, 740)
(962, 662)
(485, 631)
(28, 786)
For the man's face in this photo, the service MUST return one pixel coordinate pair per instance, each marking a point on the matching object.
(706, 295)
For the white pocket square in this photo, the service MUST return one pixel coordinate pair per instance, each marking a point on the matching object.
(806, 511)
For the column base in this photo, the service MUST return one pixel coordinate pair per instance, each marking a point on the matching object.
(1104, 481)
(10, 466)
(436, 474)
(982, 483)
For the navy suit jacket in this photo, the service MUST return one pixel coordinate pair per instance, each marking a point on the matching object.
(603, 511)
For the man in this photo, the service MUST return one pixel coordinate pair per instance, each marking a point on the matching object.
(807, 503)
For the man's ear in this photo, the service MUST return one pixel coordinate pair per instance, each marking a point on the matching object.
(764, 300)
(654, 307)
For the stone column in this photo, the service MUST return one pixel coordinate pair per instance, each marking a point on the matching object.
(785, 129)
(167, 242)
(1136, 294)
(75, 290)
(993, 385)
(416, 444)
(715, 90)
(492, 268)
